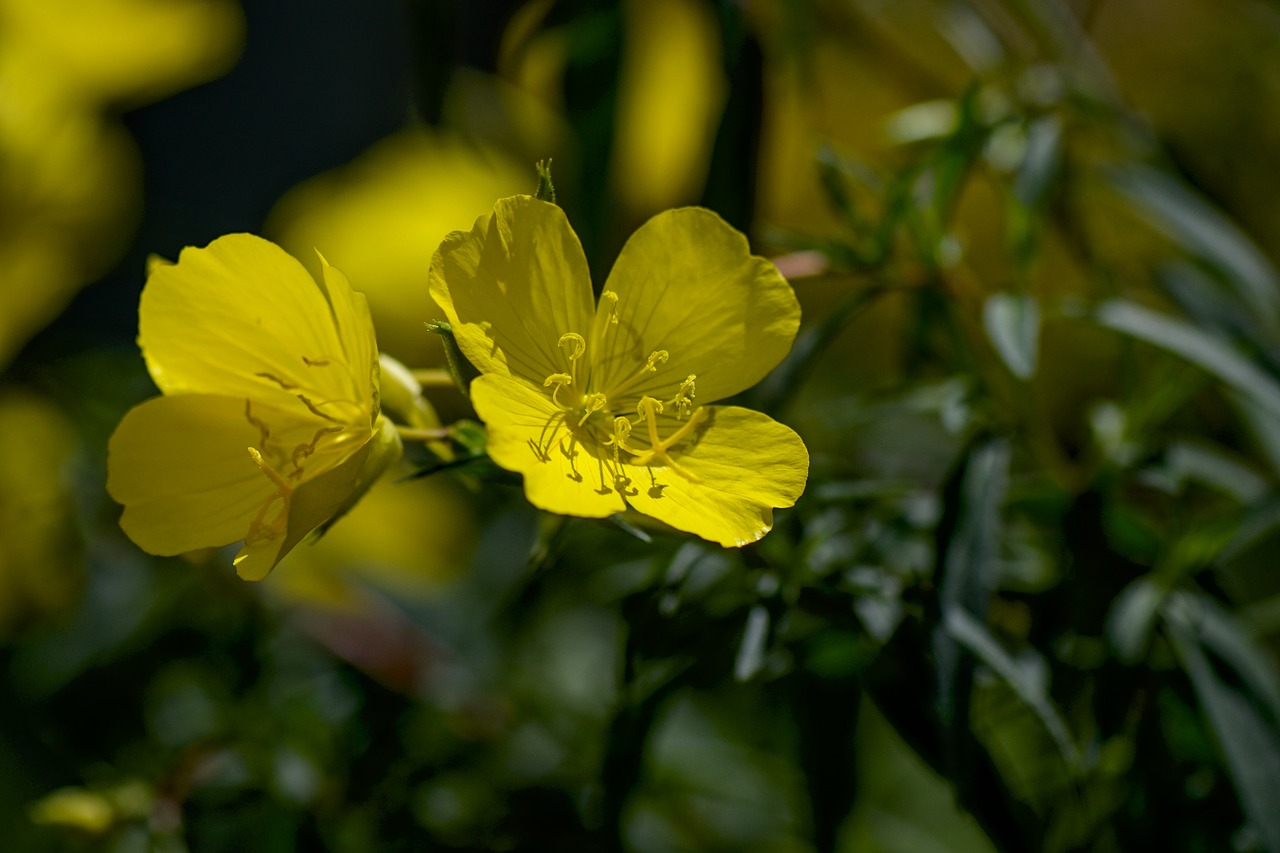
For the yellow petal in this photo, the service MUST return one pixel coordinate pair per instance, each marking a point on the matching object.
(355, 330)
(370, 219)
(323, 498)
(746, 464)
(688, 284)
(240, 318)
(181, 468)
(527, 434)
(312, 503)
(512, 286)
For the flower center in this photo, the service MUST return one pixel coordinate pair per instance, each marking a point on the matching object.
(578, 403)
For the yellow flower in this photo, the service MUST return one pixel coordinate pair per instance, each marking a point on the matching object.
(601, 407)
(270, 424)
(370, 217)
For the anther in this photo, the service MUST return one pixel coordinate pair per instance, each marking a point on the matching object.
(573, 344)
(621, 432)
(593, 403)
(683, 400)
(649, 409)
(657, 358)
(559, 380)
(283, 486)
(611, 299)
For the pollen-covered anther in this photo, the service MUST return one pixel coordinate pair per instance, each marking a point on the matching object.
(574, 346)
(610, 299)
(659, 448)
(559, 380)
(683, 400)
(618, 441)
(592, 404)
(656, 359)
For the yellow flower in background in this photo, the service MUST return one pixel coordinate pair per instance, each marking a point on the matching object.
(671, 96)
(41, 564)
(381, 217)
(70, 179)
(119, 50)
(269, 425)
(601, 407)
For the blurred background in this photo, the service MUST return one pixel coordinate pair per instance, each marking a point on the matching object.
(1029, 600)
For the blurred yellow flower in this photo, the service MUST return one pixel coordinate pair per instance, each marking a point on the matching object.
(381, 217)
(671, 96)
(595, 405)
(41, 566)
(270, 424)
(69, 175)
(120, 50)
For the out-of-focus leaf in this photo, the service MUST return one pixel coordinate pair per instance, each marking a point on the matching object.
(755, 633)
(1206, 233)
(1012, 321)
(1041, 161)
(1250, 742)
(1199, 347)
(1132, 619)
(1204, 298)
(1218, 632)
(969, 537)
(1214, 467)
(788, 377)
(1027, 683)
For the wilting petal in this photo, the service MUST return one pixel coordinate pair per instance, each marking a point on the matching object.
(688, 284)
(512, 286)
(746, 464)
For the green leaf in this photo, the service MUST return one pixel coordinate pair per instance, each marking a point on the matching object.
(1025, 681)
(1218, 632)
(1132, 619)
(968, 550)
(1202, 230)
(1250, 742)
(1199, 347)
(1012, 321)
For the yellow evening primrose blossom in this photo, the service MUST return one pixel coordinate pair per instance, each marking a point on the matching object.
(270, 423)
(603, 407)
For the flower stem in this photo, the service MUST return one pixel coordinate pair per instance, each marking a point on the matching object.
(433, 377)
(424, 435)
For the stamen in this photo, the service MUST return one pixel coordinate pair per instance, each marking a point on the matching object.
(264, 432)
(315, 411)
(282, 485)
(610, 299)
(649, 409)
(683, 400)
(276, 379)
(656, 359)
(259, 528)
(574, 346)
(559, 380)
(302, 451)
(593, 403)
(621, 432)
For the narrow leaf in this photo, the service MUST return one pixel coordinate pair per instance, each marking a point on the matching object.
(1201, 348)
(1012, 321)
(1251, 746)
